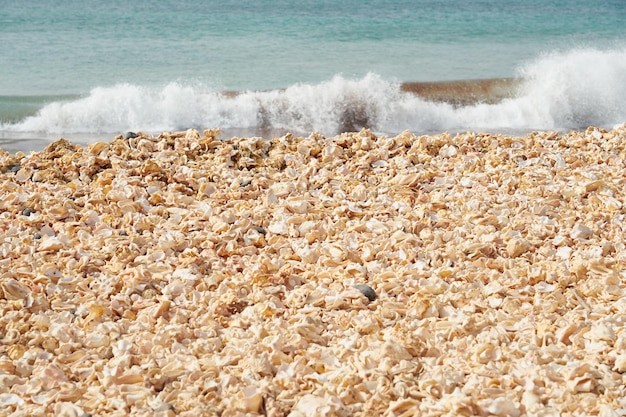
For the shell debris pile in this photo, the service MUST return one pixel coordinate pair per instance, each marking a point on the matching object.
(355, 275)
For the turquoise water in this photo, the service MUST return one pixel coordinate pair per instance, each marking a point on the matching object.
(95, 68)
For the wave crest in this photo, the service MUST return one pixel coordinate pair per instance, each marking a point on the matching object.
(559, 91)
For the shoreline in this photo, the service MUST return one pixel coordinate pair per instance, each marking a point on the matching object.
(456, 92)
(275, 273)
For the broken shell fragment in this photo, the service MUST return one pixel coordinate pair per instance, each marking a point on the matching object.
(580, 231)
(517, 246)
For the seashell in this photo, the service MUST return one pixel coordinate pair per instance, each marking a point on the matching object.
(500, 406)
(129, 379)
(73, 357)
(564, 252)
(14, 290)
(620, 363)
(49, 243)
(448, 151)
(431, 387)
(163, 308)
(310, 405)
(67, 409)
(308, 254)
(404, 407)
(582, 378)
(50, 270)
(517, 246)
(593, 186)
(582, 384)
(248, 400)
(23, 174)
(134, 394)
(254, 238)
(487, 353)
(544, 287)
(601, 332)
(580, 231)
(335, 252)
(282, 189)
(279, 228)
(95, 340)
(16, 352)
(298, 206)
(10, 400)
(611, 203)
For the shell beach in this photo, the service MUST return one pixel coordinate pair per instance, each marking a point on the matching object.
(354, 275)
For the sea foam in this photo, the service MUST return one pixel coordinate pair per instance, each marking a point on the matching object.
(557, 91)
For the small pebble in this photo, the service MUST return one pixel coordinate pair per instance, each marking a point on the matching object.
(129, 135)
(245, 183)
(259, 229)
(367, 291)
(13, 168)
(123, 233)
(27, 211)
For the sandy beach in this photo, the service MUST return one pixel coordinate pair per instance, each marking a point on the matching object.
(354, 275)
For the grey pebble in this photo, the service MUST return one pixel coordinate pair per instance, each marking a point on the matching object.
(129, 135)
(259, 229)
(13, 168)
(367, 291)
(27, 211)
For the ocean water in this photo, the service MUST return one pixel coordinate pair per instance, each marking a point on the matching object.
(88, 70)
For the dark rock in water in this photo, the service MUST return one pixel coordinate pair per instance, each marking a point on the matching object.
(28, 211)
(129, 135)
(367, 291)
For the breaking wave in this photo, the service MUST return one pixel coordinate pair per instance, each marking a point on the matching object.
(557, 91)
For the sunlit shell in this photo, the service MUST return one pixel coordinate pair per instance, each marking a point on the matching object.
(16, 352)
(580, 231)
(50, 243)
(517, 246)
(501, 407)
(14, 290)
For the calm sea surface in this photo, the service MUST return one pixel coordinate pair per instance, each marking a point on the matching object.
(89, 68)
